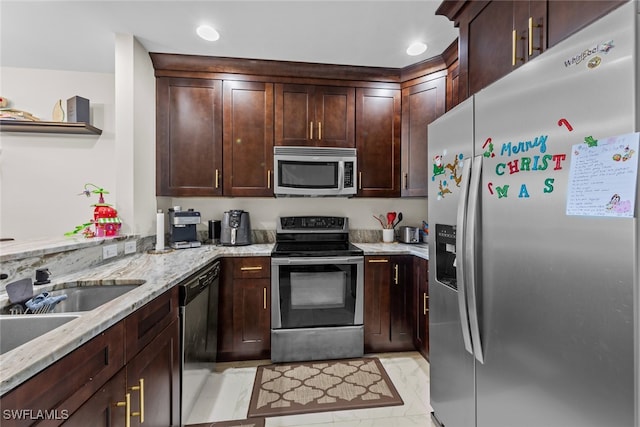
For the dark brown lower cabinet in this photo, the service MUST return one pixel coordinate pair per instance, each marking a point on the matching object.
(153, 381)
(88, 387)
(101, 410)
(421, 305)
(244, 314)
(388, 308)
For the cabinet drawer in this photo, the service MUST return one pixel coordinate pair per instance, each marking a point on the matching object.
(251, 267)
(148, 321)
(68, 383)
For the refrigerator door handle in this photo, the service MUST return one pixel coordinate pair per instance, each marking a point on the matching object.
(470, 256)
(461, 229)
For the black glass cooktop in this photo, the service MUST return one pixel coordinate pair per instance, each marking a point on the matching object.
(319, 249)
(319, 236)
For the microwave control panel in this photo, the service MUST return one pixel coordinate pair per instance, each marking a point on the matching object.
(349, 182)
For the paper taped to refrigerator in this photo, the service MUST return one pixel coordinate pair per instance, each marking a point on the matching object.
(603, 177)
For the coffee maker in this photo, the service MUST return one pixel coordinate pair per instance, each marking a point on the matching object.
(182, 228)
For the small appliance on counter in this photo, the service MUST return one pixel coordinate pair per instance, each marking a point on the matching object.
(182, 228)
(214, 231)
(235, 228)
(409, 234)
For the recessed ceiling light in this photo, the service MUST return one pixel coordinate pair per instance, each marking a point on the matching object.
(416, 48)
(208, 33)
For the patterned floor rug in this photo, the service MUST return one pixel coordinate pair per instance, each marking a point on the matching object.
(298, 388)
(256, 422)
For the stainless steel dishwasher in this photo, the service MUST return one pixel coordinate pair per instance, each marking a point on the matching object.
(198, 331)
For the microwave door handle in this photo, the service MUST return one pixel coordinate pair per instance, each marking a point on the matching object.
(461, 265)
(341, 175)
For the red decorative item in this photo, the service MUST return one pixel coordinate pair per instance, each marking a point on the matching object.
(566, 123)
(105, 218)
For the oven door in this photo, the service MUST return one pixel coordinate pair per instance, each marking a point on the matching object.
(312, 292)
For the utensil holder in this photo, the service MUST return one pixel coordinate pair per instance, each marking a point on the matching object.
(387, 235)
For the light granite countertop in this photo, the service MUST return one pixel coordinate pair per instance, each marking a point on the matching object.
(159, 272)
(17, 249)
(418, 249)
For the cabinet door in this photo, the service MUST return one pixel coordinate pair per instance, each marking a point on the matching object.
(530, 24)
(401, 303)
(490, 45)
(314, 115)
(421, 104)
(252, 318)
(63, 387)
(566, 17)
(153, 380)
(453, 85)
(294, 115)
(142, 326)
(104, 408)
(244, 315)
(377, 305)
(421, 304)
(248, 138)
(378, 142)
(334, 116)
(188, 137)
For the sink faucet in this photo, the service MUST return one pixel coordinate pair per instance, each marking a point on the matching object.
(42, 276)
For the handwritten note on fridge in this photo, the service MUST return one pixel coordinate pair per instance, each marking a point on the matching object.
(603, 177)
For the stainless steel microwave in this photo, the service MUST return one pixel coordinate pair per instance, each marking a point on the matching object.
(314, 171)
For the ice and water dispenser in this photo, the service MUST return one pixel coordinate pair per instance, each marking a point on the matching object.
(446, 255)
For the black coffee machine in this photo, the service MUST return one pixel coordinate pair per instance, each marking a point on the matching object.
(182, 228)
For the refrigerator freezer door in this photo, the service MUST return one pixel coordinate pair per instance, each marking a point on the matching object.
(556, 291)
(451, 370)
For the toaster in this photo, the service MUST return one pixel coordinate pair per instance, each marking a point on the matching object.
(235, 229)
(409, 234)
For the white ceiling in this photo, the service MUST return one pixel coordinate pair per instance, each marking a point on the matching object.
(79, 35)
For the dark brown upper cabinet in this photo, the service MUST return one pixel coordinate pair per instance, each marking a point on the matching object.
(188, 137)
(498, 36)
(248, 138)
(314, 115)
(421, 104)
(378, 142)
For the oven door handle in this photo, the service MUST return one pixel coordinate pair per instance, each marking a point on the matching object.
(317, 260)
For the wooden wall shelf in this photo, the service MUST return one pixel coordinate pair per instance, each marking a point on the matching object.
(48, 127)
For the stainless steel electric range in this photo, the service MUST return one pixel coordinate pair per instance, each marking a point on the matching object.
(317, 285)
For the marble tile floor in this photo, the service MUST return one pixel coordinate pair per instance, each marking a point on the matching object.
(224, 394)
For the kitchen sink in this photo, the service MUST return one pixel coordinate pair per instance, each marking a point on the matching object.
(82, 296)
(16, 330)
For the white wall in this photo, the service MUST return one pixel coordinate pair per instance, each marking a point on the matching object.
(41, 175)
(264, 211)
(136, 144)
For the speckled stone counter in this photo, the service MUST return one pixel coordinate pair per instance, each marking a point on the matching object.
(418, 249)
(159, 272)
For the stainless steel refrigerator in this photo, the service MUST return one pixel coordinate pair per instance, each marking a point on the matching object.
(534, 241)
